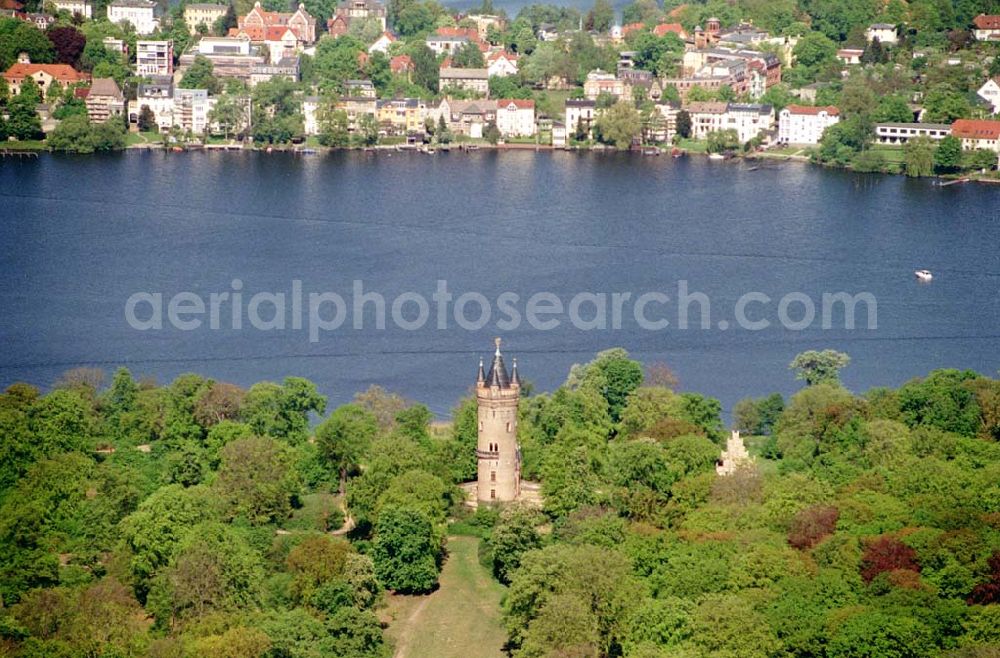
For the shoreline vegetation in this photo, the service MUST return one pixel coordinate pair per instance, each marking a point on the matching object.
(802, 154)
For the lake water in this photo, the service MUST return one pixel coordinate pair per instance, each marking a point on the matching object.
(81, 235)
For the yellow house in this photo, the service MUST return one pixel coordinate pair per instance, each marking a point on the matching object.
(203, 14)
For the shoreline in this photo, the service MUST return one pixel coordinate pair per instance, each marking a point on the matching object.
(33, 149)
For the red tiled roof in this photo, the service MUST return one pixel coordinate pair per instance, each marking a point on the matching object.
(631, 27)
(987, 21)
(806, 109)
(11, 4)
(492, 57)
(400, 63)
(62, 72)
(471, 33)
(519, 103)
(663, 29)
(976, 129)
(276, 32)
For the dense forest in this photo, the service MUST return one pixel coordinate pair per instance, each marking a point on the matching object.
(201, 519)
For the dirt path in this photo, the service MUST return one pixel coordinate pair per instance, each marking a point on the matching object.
(461, 619)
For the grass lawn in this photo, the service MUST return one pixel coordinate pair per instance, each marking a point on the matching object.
(892, 154)
(459, 620)
(552, 102)
(693, 145)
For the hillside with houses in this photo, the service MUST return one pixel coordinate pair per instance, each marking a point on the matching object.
(907, 87)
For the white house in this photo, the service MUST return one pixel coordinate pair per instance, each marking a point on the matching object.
(82, 7)
(850, 56)
(516, 117)
(191, 108)
(310, 107)
(990, 92)
(747, 119)
(154, 58)
(281, 42)
(580, 116)
(382, 44)
(884, 32)
(141, 14)
(977, 134)
(475, 80)
(986, 27)
(501, 64)
(445, 44)
(158, 96)
(799, 124)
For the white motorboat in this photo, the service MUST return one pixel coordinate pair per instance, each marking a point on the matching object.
(924, 275)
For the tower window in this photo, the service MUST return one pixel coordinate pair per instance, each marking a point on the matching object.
(493, 494)
(493, 476)
(480, 426)
(508, 427)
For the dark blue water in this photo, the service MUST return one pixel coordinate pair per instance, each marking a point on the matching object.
(82, 234)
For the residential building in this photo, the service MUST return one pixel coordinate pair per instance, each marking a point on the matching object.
(355, 10)
(986, 27)
(900, 133)
(202, 13)
(990, 92)
(548, 32)
(468, 117)
(977, 134)
(401, 64)
(663, 29)
(800, 124)
(232, 57)
(850, 56)
(287, 67)
(884, 32)
(748, 120)
(40, 20)
(599, 82)
(663, 127)
(43, 75)
(73, 7)
(255, 23)
(401, 116)
(516, 117)
(158, 96)
(382, 44)
(104, 100)
(310, 115)
(115, 45)
(281, 42)
(501, 64)
(360, 89)
(580, 116)
(474, 80)
(140, 14)
(558, 134)
(191, 110)
(357, 107)
(154, 58)
(445, 44)
(485, 21)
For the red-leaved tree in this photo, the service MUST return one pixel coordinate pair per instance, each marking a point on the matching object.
(988, 592)
(886, 553)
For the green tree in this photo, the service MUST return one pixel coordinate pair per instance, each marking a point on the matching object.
(468, 56)
(814, 50)
(684, 124)
(22, 121)
(345, 437)
(943, 104)
(720, 141)
(257, 479)
(200, 75)
(601, 16)
(514, 534)
(819, 367)
(919, 157)
(948, 155)
(406, 551)
(619, 125)
(282, 411)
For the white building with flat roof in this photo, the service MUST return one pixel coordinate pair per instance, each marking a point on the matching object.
(800, 124)
(82, 7)
(154, 58)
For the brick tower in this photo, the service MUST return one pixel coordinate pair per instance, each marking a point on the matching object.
(497, 451)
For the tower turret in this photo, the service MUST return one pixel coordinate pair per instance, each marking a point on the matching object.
(497, 451)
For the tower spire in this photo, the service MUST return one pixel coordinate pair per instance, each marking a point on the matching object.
(515, 379)
(482, 372)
